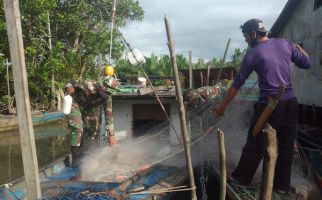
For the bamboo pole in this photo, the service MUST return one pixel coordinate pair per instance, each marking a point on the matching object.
(181, 110)
(99, 67)
(28, 147)
(50, 48)
(269, 162)
(111, 31)
(190, 71)
(223, 170)
(208, 74)
(201, 79)
(8, 86)
(223, 61)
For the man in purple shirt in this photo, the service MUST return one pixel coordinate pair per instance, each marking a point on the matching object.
(271, 60)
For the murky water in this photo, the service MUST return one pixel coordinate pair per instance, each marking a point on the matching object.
(206, 183)
(52, 142)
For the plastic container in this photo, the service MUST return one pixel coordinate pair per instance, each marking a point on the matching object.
(67, 104)
(142, 82)
(136, 57)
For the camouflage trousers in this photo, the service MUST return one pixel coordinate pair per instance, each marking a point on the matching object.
(109, 116)
(91, 121)
(75, 126)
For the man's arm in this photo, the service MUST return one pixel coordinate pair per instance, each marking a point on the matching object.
(301, 49)
(300, 57)
(220, 108)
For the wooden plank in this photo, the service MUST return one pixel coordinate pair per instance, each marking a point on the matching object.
(28, 147)
(148, 90)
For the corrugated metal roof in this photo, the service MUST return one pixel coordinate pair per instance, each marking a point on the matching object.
(283, 17)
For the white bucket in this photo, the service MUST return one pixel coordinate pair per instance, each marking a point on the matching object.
(67, 104)
(142, 82)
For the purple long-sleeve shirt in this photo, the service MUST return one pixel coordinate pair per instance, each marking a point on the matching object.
(271, 61)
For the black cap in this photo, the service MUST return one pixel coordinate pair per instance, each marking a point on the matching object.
(253, 25)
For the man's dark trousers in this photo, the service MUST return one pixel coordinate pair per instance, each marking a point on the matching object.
(284, 120)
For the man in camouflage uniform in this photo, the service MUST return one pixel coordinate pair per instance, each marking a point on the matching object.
(75, 126)
(91, 108)
(109, 85)
(196, 97)
(91, 96)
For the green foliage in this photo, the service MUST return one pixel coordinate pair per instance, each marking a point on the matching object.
(237, 57)
(79, 31)
(158, 66)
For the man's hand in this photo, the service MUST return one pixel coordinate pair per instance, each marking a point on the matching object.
(300, 47)
(219, 109)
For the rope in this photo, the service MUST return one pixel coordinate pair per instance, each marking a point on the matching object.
(112, 26)
(165, 190)
(150, 83)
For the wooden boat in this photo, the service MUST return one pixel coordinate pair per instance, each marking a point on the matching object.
(56, 182)
(148, 181)
(10, 122)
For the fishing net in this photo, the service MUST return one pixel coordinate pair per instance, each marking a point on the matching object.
(139, 156)
(70, 194)
(153, 147)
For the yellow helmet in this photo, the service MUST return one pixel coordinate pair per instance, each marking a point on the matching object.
(109, 70)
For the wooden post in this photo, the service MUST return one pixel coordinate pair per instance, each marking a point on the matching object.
(190, 71)
(208, 74)
(50, 48)
(201, 79)
(223, 62)
(28, 147)
(269, 162)
(181, 110)
(111, 31)
(9, 162)
(8, 86)
(99, 67)
(223, 170)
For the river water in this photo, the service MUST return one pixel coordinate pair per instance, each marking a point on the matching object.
(52, 142)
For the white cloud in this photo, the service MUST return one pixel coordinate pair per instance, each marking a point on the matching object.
(202, 26)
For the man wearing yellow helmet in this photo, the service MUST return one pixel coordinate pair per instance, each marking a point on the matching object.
(109, 70)
(109, 84)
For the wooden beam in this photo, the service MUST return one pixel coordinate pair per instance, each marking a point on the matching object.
(28, 147)
(182, 113)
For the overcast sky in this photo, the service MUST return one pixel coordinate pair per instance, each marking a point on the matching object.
(202, 26)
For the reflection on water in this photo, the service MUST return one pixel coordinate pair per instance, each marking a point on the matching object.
(51, 143)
